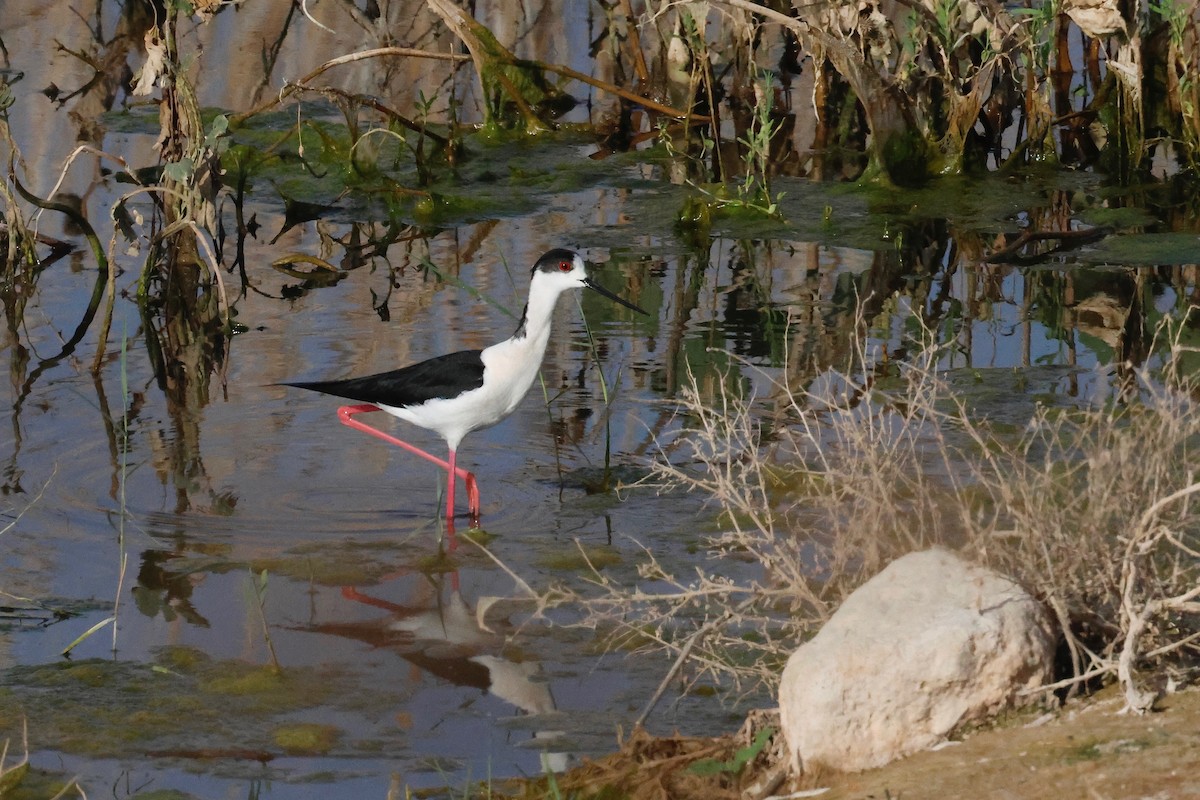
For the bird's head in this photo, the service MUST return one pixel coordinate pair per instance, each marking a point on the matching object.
(564, 269)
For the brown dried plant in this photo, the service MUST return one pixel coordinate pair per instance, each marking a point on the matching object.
(1088, 507)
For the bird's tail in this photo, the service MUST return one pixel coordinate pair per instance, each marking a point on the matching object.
(335, 388)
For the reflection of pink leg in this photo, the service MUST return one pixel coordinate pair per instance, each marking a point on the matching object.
(351, 593)
(346, 415)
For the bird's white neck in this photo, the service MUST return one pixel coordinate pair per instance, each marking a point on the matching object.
(514, 363)
(538, 314)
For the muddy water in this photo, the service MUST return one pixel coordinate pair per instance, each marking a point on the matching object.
(245, 527)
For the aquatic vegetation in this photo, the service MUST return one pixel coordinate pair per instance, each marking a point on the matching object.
(306, 738)
(135, 707)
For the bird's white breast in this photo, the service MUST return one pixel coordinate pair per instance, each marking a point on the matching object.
(510, 368)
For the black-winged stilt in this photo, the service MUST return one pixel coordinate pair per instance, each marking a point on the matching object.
(457, 393)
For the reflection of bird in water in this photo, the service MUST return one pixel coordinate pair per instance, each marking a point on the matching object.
(457, 393)
(445, 638)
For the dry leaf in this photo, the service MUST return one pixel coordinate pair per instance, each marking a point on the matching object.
(156, 59)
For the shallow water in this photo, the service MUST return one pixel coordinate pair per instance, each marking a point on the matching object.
(257, 528)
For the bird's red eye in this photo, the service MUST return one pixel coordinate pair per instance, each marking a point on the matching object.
(565, 266)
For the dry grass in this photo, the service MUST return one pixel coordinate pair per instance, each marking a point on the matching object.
(1088, 507)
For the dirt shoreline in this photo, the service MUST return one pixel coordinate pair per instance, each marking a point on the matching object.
(1084, 750)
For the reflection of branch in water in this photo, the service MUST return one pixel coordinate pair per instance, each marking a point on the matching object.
(1067, 240)
(270, 54)
(161, 590)
(116, 442)
(187, 342)
(109, 61)
(76, 216)
(20, 360)
(32, 502)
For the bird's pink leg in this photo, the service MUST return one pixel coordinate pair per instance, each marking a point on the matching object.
(450, 481)
(346, 415)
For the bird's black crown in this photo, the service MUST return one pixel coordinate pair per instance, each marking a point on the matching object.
(552, 260)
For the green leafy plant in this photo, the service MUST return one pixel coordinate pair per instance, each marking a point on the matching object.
(744, 755)
(752, 191)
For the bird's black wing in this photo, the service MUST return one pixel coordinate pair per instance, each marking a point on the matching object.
(444, 376)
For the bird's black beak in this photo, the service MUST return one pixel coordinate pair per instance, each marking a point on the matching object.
(591, 284)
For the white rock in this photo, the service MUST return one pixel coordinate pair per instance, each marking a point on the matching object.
(927, 644)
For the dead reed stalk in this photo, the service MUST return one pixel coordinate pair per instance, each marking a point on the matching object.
(1087, 506)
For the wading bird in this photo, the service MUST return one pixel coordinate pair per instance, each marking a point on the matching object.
(457, 393)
